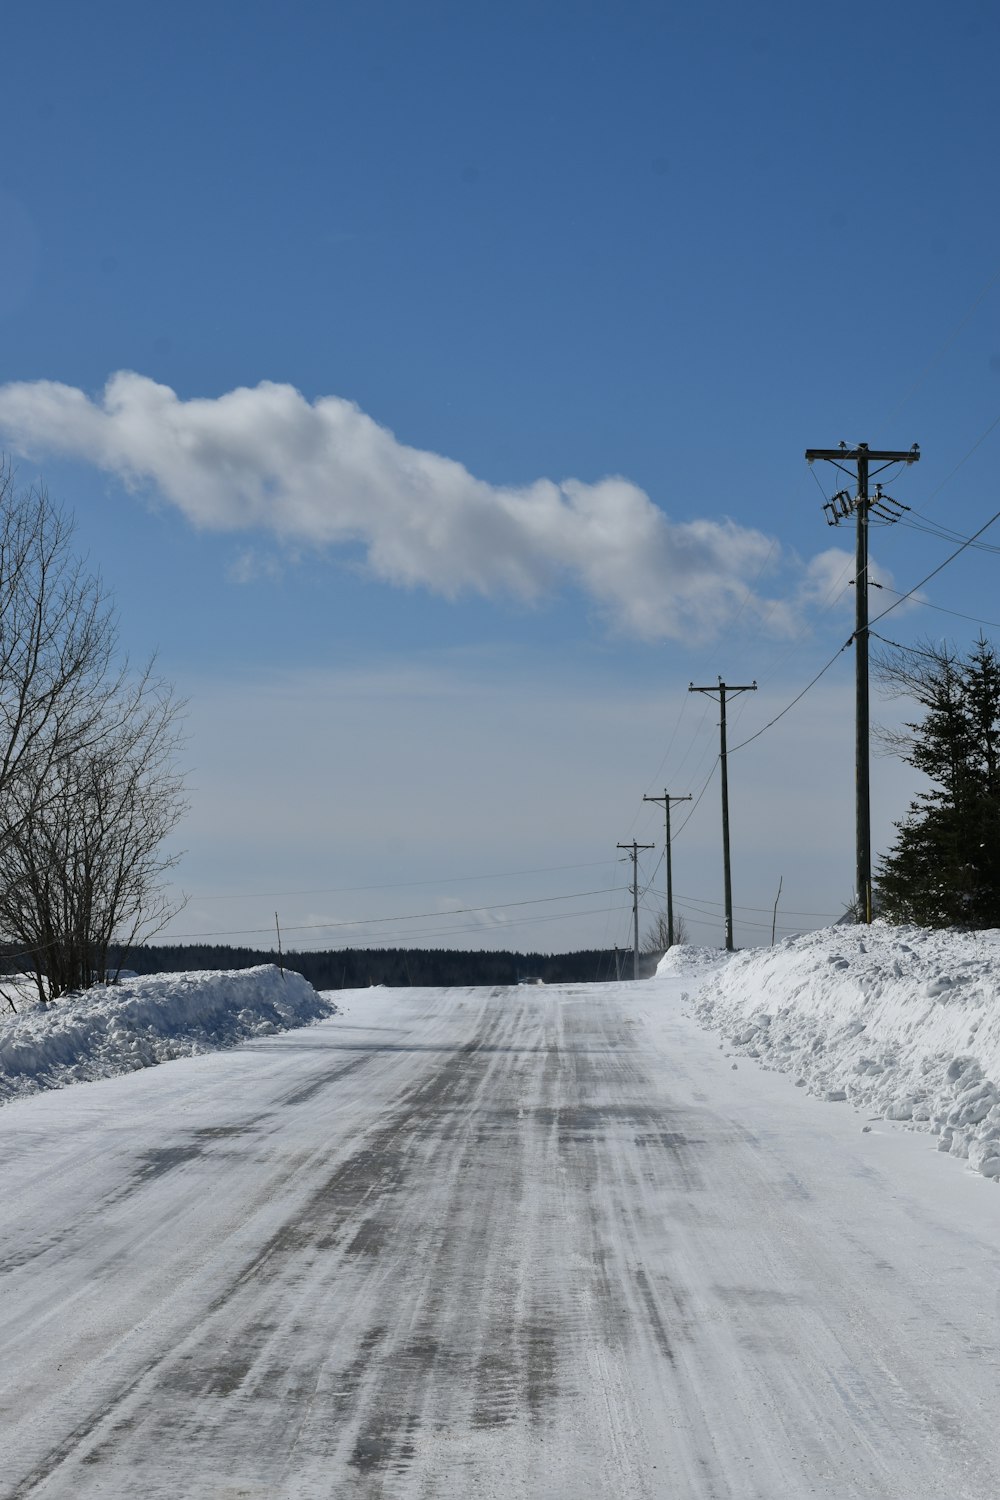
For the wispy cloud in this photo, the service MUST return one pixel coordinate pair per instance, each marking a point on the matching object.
(250, 564)
(827, 582)
(323, 473)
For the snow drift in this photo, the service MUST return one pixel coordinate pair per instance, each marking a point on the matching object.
(902, 1022)
(148, 1020)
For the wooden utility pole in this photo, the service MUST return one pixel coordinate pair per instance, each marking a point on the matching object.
(722, 689)
(634, 850)
(860, 505)
(774, 914)
(281, 956)
(666, 799)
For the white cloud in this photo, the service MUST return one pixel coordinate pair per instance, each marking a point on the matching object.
(324, 473)
(827, 582)
(828, 579)
(249, 564)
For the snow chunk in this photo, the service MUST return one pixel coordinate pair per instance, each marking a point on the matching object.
(686, 958)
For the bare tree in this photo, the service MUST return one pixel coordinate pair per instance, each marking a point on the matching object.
(88, 785)
(83, 869)
(657, 938)
(58, 635)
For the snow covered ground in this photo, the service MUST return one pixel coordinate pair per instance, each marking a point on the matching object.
(493, 1244)
(902, 1023)
(147, 1020)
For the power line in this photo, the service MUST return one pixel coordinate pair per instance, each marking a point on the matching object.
(926, 604)
(670, 742)
(705, 918)
(706, 901)
(965, 457)
(701, 794)
(399, 885)
(403, 939)
(910, 650)
(940, 567)
(457, 911)
(900, 599)
(828, 602)
(789, 706)
(694, 738)
(945, 533)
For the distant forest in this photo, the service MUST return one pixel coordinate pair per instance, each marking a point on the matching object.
(354, 968)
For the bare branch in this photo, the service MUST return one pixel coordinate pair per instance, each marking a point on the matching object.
(89, 788)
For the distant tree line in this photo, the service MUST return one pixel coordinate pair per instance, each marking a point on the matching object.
(354, 968)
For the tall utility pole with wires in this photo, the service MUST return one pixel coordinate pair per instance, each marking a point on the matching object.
(634, 850)
(666, 799)
(862, 506)
(722, 689)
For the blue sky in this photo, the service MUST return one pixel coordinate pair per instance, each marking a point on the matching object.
(564, 292)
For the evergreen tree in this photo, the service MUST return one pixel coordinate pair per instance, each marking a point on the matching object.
(944, 868)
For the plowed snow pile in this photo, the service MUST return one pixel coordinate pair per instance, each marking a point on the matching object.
(902, 1022)
(147, 1020)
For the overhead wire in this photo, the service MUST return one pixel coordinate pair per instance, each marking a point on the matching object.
(834, 592)
(457, 911)
(940, 567)
(832, 595)
(828, 602)
(943, 533)
(398, 885)
(411, 939)
(670, 744)
(707, 901)
(700, 726)
(964, 459)
(926, 604)
(967, 542)
(898, 646)
(840, 585)
(694, 806)
(789, 706)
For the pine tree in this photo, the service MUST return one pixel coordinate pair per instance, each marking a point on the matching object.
(944, 868)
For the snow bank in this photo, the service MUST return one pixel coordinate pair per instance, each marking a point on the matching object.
(147, 1020)
(901, 1022)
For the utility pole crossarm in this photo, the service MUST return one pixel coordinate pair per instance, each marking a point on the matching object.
(851, 455)
(633, 849)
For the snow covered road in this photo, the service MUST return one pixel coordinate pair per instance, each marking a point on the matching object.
(521, 1243)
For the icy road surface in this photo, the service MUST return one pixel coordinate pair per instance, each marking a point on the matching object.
(511, 1243)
